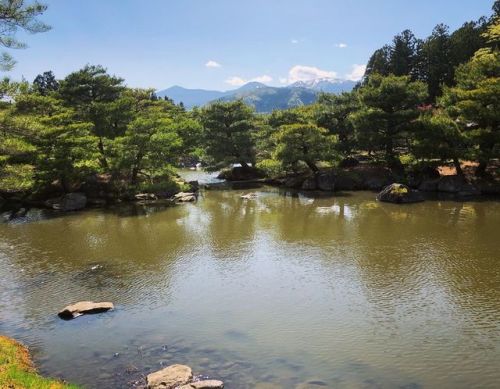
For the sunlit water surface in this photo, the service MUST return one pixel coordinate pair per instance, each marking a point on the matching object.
(338, 291)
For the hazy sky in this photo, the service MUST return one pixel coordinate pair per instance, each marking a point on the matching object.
(220, 44)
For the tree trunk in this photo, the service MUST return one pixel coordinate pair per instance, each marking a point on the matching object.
(104, 162)
(458, 168)
(135, 169)
(312, 166)
(244, 165)
(481, 169)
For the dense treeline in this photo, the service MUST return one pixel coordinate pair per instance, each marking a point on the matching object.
(421, 102)
(89, 123)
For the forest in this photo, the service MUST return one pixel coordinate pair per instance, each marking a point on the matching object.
(421, 103)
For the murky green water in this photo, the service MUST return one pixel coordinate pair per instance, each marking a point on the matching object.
(342, 292)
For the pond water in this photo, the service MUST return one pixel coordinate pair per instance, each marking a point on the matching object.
(281, 291)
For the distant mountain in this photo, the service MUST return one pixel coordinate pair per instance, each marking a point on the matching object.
(264, 98)
(327, 85)
(190, 97)
(267, 98)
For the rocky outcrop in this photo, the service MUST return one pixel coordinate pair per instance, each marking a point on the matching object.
(294, 182)
(326, 181)
(309, 183)
(68, 202)
(360, 177)
(399, 194)
(84, 307)
(458, 185)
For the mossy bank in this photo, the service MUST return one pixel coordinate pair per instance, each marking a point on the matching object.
(18, 372)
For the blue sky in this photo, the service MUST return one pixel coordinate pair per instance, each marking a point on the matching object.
(220, 44)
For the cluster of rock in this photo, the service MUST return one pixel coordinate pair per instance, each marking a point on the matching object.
(356, 178)
(179, 377)
(369, 177)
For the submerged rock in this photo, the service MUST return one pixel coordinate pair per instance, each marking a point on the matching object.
(399, 194)
(170, 377)
(84, 307)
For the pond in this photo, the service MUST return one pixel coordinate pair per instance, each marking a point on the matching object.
(282, 291)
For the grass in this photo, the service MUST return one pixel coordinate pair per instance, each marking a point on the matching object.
(17, 370)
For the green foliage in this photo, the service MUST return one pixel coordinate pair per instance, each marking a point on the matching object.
(45, 83)
(270, 167)
(474, 102)
(388, 106)
(228, 130)
(332, 113)
(18, 15)
(302, 142)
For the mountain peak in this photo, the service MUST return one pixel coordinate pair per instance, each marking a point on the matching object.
(251, 86)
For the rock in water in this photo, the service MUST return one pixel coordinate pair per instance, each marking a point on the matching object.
(68, 202)
(399, 194)
(84, 307)
(249, 196)
(206, 384)
(170, 377)
(184, 197)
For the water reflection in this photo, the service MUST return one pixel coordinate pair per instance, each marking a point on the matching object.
(284, 290)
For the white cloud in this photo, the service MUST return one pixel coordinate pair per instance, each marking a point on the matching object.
(307, 73)
(341, 45)
(357, 72)
(294, 41)
(283, 80)
(238, 81)
(213, 64)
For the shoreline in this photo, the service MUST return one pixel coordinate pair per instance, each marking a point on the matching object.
(17, 370)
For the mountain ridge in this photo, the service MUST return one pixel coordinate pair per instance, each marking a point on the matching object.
(262, 97)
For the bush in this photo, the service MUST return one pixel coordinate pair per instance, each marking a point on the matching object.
(270, 167)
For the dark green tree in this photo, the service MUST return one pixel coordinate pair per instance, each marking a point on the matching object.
(228, 130)
(388, 106)
(97, 97)
(45, 83)
(333, 114)
(306, 143)
(474, 101)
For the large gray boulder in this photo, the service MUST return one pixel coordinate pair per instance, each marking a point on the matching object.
(68, 202)
(326, 181)
(309, 183)
(84, 307)
(457, 184)
(170, 377)
(399, 194)
(294, 182)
